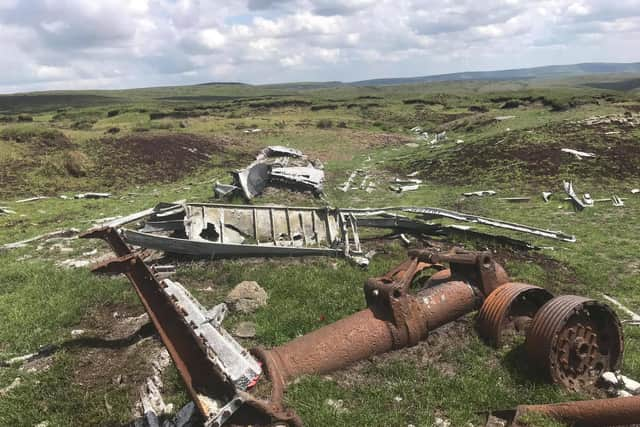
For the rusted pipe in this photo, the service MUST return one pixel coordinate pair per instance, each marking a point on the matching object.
(363, 334)
(618, 411)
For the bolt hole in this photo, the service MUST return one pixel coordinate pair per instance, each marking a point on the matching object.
(486, 262)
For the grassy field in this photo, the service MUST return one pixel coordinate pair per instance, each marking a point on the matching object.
(134, 145)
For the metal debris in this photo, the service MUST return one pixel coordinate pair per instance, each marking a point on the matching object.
(32, 199)
(579, 154)
(92, 196)
(510, 307)
(617, 411)
(224, 190)
(574, 340)
(16, 383)
(619, 385)
(635, 191)
(65, 233)
(503, 118)
(480, 193)
(587, 200)
(635, 318)
(568, 188)
(281, 165)
(404, 188)
(546, 195)
(459, 216)
(617, 201)
(6, 211)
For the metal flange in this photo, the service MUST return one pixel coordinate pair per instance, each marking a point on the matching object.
(512, 307)
(574, 340)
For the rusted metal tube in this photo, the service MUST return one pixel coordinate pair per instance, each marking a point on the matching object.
(362, 334)
(591, 413)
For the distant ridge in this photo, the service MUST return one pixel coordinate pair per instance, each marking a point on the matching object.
(549, 71)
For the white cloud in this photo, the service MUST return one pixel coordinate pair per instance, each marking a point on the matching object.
(49, 44)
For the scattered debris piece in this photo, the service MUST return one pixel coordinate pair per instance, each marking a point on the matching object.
(568, 188)
(635, 191)
(480, 193)
(6, 211)
(161, 209)
(587, 200)
(416, 129)
(546, 195)
(282, 165)
(634, 316)
(256, 130)
(16, 383)
(32, 199)
(224, 190)
(460, 141)
(92, 196)
(619, 385)
(336, 405)
(416, 173)
(347, 184)
(77, 332)
(151, 405)
(66, 233)
(503, 118)
(246, 297)
(579, 154)
(404, 188)
(617, 201)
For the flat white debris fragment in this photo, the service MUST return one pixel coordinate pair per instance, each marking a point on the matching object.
(579, 154)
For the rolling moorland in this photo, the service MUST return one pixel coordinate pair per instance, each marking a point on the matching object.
(138, 145)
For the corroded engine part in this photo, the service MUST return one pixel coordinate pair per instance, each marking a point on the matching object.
(512, 307)
(574, 340)
(364, 334)
(619, 411)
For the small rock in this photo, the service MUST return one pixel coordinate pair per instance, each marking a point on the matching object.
(398, 398)
(246, 297)
(245, 330)
(77, 332)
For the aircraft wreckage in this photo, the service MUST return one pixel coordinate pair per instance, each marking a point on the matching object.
(571, 340)
(226, 230)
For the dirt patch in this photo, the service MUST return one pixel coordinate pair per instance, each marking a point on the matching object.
(431, 352)
(537, 156)
(163, 158)
(37, 140)
(109, 353)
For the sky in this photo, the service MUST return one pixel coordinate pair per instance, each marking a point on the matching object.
(113, 44)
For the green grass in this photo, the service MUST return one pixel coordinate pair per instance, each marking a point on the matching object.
(41, 303)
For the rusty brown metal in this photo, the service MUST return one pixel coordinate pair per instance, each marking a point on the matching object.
(512, 306)
(477, 268)
(620, 411)
(365, 334)
(203, 381)
(574, 340)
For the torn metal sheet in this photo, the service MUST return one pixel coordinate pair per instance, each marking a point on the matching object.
(458, 216)
(307, 177)
(579, 154)
(6, 211)
(480, 193)
(92, 196)
(620, 384)
(66, 233)
(587, 199)
(283, 165)
(158, 209)
(223, 190)
(546, 196)
(278, 151)
(404, 188)
(568, 188)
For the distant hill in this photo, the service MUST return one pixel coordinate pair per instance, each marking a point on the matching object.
(550, 71)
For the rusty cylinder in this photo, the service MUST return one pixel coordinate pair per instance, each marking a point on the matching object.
(362, 335)
(594, 413)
